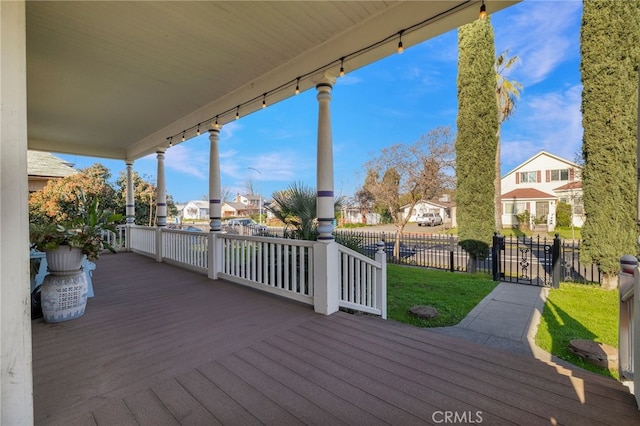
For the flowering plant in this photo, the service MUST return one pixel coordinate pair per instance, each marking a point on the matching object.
(85, 230)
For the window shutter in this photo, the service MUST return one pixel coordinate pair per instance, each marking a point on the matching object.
(517, 177)
(571, 174)
(548, 175)
(528, 207)
(538, 176)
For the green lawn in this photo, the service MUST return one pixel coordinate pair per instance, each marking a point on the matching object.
(574, 311)
(577, 311)
(454, 295)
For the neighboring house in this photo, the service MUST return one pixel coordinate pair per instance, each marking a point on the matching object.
(43, 166)
(443, 206)
(352, 214)
(537, 185)
(253, 203)
(244, 205)
(233, 209)
(196, 209)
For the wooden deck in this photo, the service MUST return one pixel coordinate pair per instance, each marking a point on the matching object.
(159, 345)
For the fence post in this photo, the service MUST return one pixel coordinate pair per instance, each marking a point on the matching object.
(452, 249)
(381, 280)
(495, 257)
(555, 262)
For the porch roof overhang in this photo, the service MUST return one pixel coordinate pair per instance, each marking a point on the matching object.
(523, 194)
(116, 79)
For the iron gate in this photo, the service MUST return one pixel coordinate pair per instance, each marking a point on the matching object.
(527, 260)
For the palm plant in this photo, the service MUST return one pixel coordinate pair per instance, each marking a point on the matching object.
(507, 92)
(296, 207)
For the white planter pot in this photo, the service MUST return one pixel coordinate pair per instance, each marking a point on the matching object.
(64, 290)
(64, 260)
(64, 297)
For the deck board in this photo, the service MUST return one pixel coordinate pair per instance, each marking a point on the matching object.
(162, 345)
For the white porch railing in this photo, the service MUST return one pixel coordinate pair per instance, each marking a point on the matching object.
(186, 248)
(327, 276)
(363, 281)
(141, 239)
(116, 239)
(275, 265)
(629, 325)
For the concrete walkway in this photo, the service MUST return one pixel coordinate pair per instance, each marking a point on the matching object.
(507, 318)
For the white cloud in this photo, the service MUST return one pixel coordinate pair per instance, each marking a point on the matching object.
(541, 33)
(550, 122)
(188, 161)
(284, 166)
(348, 80)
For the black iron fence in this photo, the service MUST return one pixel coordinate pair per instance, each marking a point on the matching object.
(528, 260)
(525, 260)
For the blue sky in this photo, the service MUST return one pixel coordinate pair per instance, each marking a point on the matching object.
(395, 100)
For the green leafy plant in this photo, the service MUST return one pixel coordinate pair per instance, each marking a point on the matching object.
(524, 219)
(84, 230)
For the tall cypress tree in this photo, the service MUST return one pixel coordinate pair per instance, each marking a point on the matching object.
(610, 44)
(476, 141)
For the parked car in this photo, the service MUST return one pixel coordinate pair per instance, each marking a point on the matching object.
(371, 249)
(246, 222)
(429, 219)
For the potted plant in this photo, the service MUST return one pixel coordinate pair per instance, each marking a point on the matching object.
(65, 243)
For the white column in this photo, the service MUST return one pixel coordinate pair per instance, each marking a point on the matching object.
(130, 208)
(325, 202)
(161, 196)
(215, 189)
(16, 398)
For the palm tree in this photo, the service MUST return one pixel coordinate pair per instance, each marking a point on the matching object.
(296, 208)
(507, 92)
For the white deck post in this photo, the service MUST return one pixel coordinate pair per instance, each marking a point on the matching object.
(326, 277)
(16, 397)
(381, 280)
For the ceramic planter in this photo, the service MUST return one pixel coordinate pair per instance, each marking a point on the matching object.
(64, 290)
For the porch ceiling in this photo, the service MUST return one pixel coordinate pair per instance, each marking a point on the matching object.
(116, 79)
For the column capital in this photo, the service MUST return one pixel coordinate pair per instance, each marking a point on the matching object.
(326, 79)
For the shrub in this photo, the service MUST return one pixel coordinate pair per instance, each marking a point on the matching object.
(563, 214)
(524, 219)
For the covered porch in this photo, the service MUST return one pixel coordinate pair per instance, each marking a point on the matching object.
(163, 345)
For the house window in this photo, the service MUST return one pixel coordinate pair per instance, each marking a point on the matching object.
(528, 177)
(559, 175)
(578, 206)
(514, 208)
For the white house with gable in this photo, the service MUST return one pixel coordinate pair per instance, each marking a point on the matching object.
(196, 209)
(537, 185)
(443, 206)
